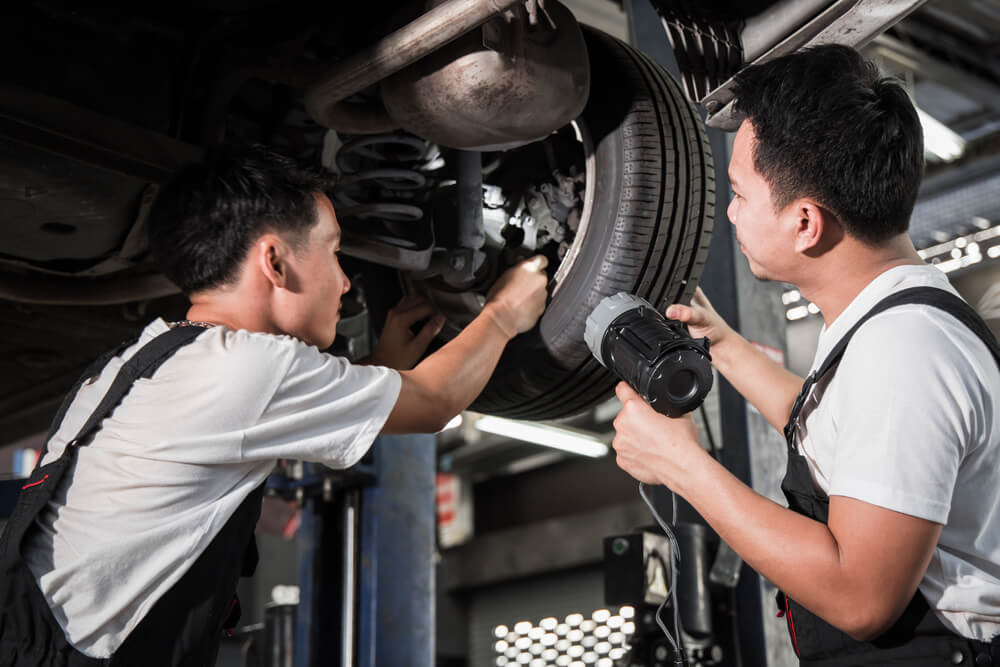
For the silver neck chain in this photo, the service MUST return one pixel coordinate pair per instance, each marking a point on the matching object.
(191, 323)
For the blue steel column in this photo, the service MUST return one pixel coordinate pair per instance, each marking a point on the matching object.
(396, 567)
(309, 536)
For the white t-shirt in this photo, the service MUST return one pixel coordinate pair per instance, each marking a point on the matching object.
(910, 421)
(167, 469)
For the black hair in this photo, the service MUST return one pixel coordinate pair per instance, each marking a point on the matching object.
(208, 216)
(830, 127)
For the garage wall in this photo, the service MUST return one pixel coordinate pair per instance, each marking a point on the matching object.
(605, 15)
(981, 288)
(803, 337)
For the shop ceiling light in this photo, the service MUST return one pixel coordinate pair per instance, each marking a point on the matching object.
(940, 139)
(455, 422)
(797, 313)
(540, 434)
(949, 255)
(790, 297)
(959, 262)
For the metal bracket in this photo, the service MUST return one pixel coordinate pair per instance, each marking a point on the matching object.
(407, 254)
(851, 22)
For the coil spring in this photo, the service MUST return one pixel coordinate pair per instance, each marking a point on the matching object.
(382, 177)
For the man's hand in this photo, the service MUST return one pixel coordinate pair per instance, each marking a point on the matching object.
(397, 347)
(768, 386)
(446, 382)
(701, 318)
(651, 447)
(517, 299)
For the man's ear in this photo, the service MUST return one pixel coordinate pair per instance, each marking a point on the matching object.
(271, 259)
(816, 230)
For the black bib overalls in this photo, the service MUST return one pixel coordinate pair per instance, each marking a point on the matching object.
(184, 626)
(918, 638)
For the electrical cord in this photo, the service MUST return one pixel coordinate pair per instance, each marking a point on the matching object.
(679, 645)
(713, 450)
(680, 657)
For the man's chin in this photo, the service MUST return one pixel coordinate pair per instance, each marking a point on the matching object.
(758, 272)
(321, 339)
(329, 336)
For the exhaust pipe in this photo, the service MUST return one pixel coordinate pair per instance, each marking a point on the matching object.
(426, 34)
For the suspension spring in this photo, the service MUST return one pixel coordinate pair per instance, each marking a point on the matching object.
(384, 177)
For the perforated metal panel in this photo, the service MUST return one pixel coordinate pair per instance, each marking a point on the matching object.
(942, 216)
(553, 596)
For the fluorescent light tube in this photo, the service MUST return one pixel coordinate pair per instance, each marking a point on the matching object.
(940, 139)
(540, 434)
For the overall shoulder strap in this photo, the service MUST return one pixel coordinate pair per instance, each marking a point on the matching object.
(36, 492)
(930, 296)
(142, 364)
(93, 369)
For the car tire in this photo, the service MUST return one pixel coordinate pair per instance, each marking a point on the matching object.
(650, 225)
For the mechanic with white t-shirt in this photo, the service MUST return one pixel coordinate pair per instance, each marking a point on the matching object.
(889, 549)
(132, 532)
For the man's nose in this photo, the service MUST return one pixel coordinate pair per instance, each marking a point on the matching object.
(347, 282)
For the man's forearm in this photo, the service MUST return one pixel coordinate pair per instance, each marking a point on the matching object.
(457, 373)
(858, 571)
(798, 554)
(768, 386)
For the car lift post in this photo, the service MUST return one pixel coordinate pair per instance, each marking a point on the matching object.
(397, 542)
(366, 562)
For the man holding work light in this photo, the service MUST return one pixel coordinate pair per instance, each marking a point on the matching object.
(889, 551)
